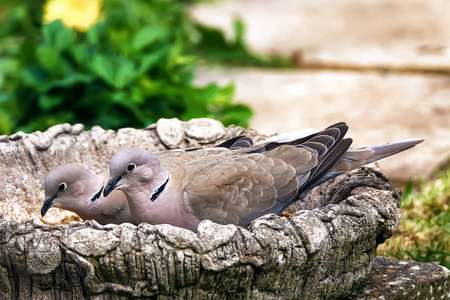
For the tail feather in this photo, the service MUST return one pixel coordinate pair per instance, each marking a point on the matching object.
(334, 158)
(355, 158)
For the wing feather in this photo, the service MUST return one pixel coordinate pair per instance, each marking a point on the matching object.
(230, 186)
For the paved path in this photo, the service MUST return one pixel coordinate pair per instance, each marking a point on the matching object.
(399, 34)
(343, 46)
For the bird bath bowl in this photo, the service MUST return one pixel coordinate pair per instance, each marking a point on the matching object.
(323, 251)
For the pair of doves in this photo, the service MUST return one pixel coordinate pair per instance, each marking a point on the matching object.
(232, 183)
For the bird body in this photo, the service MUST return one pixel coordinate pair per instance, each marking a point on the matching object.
(236, 185)
(232, 183)
(74, 188)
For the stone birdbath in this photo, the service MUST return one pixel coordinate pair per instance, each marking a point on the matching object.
(324, 251)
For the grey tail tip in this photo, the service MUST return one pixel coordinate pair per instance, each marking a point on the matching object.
(392, 148)
(400, 145)
(416, 140)
(413, 142)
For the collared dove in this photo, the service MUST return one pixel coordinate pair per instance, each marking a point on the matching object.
(74, 188)
(239, 185)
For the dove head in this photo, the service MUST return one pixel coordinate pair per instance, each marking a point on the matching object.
(134, 167)
(68, 187)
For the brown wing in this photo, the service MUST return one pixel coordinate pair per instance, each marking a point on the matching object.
(230, 187)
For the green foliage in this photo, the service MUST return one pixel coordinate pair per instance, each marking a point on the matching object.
(130, 69)
(215, 48)
(424, 232)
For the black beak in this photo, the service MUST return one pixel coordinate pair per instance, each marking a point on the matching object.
(112, 183)
(47, 204)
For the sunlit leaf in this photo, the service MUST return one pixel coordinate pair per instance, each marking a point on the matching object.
(147, 36)
(104, 68)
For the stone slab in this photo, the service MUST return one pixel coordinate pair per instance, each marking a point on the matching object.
(379, 107)
(392, 279)
(405, 35)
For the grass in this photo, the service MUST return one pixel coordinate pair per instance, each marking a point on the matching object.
(424, 232)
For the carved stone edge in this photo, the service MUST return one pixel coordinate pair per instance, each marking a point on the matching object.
(321, 253)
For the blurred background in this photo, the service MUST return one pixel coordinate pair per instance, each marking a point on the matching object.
(382, 66)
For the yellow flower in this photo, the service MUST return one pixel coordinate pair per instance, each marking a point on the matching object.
(78, 14)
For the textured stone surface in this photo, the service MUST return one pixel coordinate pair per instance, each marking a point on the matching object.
(171, 132)
(44, 255)
(205, 130)
(395, 280)
(321, 253)
(89, 242)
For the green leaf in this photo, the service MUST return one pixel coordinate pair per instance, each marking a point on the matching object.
(94, 33)
(236, 114)
(137, 95)
(151, 87)
(8, 66)
(124, 73)
(4, 97)
(209, 93)
(116, 72)
(122, 100)
(151, 59)
(70, 80)
(48, 58)
(185, 60)
(226, 94)
(6, 123)
(58, 36)
(104, 68)
(33, 77)
(146, 36)
(47, 102)
(80, 53)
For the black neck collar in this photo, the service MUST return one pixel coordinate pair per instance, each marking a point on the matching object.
(96, 196)
(159, 190)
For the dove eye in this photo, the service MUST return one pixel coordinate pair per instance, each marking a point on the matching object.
(131, 167)
(62, 186)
